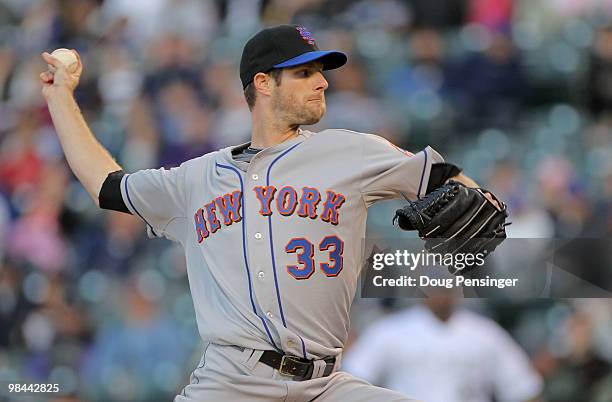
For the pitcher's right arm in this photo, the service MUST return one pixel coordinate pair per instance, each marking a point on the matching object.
(88, 159)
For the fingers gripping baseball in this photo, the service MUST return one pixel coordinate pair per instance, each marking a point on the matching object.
(63, 73)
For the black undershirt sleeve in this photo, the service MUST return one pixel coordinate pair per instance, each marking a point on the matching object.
(440, 172)
(110, 193)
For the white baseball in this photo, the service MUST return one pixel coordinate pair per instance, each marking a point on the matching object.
(67, 58)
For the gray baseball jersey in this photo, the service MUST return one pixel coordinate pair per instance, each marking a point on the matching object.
(274, 246)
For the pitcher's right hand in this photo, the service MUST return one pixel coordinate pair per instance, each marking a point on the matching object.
(60, 80)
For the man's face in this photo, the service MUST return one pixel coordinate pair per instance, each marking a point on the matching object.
(300, 97)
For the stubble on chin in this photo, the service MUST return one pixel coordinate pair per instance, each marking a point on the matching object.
(312, 115)
(306, 115)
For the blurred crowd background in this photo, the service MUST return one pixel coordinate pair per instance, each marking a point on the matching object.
(519, 93)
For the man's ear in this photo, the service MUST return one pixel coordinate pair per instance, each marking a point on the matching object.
(263, 83)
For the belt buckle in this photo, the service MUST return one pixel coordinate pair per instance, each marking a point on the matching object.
(284, 360)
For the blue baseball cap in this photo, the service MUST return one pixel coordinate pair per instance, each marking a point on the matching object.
(284, 46)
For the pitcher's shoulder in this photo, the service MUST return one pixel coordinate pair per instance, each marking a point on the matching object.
(202, 160)
(338, 135)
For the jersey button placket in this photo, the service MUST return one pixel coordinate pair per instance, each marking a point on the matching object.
(258, 248)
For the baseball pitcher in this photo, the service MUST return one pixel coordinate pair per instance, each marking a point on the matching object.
(272, 229)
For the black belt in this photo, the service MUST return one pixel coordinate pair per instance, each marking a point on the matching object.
(295, 366)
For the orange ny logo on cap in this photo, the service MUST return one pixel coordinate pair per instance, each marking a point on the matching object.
(306, 35)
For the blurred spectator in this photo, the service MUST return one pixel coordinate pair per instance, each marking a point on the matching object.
(53, 330)
(486, 87)
(115, 248)
(351, 105)
(438, 352)
(142, 137)
(4, 225)
(601, 215)
(494, 14)
(574, 369)
(184, 122)
(599, 87)
(7, 65)
(10, 306)
(425, 70)
(390, 15)
(438, 13)
(21, 164)
(562, 195)
(143, 338)
(119, 81)
(36, 237)
(232, 120)
(280, 11)
(144, 20)
(71, 27)
(529, 220)
(530, 234)
(172, 59)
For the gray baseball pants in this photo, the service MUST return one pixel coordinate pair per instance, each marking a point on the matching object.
(228, 373)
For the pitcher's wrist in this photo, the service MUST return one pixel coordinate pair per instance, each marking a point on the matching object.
(59, 94)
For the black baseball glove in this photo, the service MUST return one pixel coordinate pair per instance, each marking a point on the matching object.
(456, 219)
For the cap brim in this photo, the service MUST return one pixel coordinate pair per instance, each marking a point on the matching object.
(330, 58)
